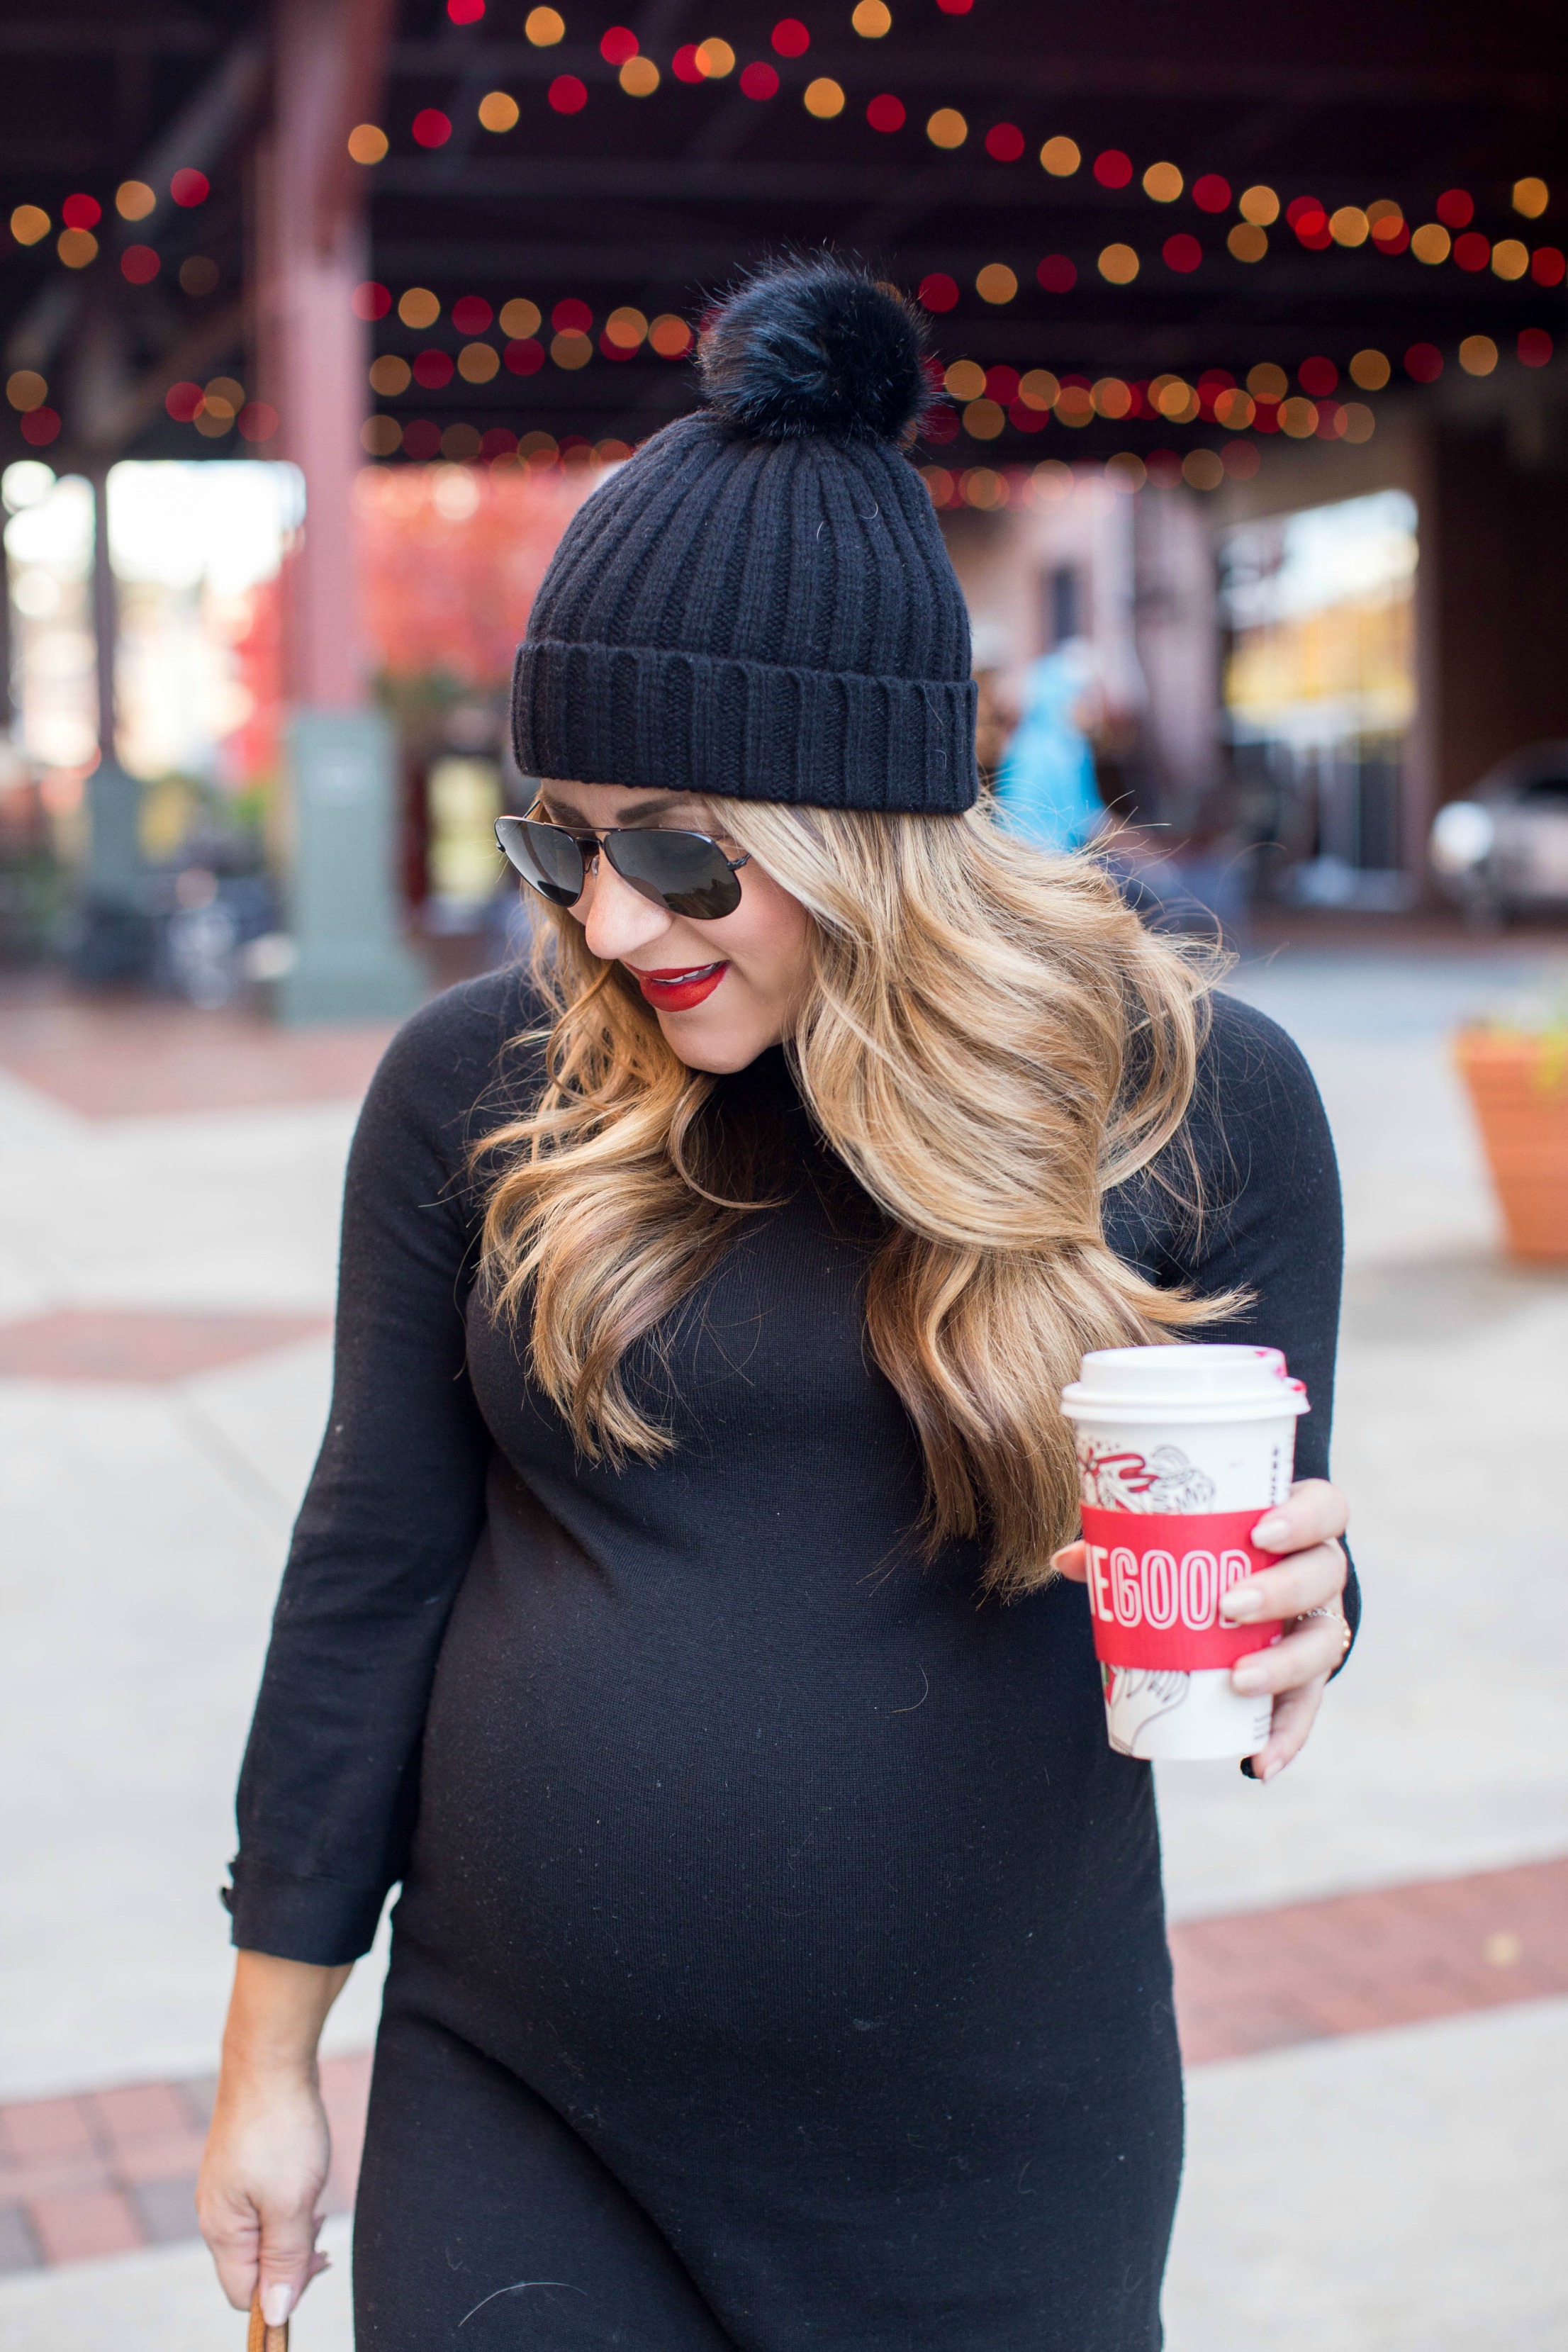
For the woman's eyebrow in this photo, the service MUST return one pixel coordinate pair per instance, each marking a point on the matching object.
(640, 812)
(634, 812)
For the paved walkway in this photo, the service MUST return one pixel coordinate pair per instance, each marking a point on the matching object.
(1371, 1953)
(102, 2172)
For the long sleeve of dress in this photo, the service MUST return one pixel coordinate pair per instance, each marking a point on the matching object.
(391, 1516)
(1267, 1221)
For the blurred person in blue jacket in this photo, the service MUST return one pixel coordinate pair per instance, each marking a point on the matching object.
(1045, 785)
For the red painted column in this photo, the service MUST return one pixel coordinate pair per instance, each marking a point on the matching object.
(349, 961)
(311, 249)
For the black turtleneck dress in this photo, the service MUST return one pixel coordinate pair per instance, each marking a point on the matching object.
(780, 1961)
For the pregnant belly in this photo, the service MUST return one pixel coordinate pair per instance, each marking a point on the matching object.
(798, 1819)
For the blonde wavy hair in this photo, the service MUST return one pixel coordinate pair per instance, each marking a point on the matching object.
(990, 1042)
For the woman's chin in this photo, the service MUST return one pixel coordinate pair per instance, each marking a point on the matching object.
(715, 1041)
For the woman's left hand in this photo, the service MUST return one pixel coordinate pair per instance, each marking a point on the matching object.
(1304, 1530)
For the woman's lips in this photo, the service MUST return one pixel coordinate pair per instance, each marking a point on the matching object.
(678, 989)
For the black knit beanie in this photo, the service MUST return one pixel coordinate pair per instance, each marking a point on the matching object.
(759, 603)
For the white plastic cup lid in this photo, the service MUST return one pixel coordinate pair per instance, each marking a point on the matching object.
(1117, 1381)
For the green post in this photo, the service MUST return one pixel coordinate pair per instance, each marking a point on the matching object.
(350, 962)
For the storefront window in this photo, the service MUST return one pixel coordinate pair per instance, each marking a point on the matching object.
(1320, 690)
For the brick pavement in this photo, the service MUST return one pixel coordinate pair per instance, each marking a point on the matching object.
(103, 2172)
(1358, 1963)
(109, 1059)
(137, 1344)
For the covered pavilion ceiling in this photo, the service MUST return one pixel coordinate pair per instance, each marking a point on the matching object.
(759, 136)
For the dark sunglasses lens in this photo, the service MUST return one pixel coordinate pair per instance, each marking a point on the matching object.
(546, 856)
(678, 870)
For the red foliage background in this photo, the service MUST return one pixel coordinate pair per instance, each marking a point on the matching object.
(451, 558)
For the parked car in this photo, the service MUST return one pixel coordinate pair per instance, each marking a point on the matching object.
(1504, 849)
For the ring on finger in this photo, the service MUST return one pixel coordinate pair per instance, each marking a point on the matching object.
(1339, 1619)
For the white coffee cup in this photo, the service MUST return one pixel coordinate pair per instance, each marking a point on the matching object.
(1181, 1450)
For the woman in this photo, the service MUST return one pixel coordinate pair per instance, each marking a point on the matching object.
(780, 1960)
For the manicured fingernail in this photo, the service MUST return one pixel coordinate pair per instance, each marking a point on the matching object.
(276, 2303)
(1238, 1603)
(1270, 1771)
(1271, 1532)
(1248, 1678)
(1247, 1768)
(1057, 1556)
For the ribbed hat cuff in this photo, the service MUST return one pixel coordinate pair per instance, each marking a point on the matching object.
(645, 715)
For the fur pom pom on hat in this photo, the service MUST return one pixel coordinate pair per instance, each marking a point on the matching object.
(758, 603)
(815, 348)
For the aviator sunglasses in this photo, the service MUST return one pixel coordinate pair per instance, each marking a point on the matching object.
(684, 873)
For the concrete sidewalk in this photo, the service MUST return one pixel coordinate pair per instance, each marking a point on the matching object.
(1376, 2192)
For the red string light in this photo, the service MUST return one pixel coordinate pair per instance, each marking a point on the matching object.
(138, 265)
(189, 188)
(432, 368)
(465, 12)
(570, 317)
(1005, 142)
(81, 212)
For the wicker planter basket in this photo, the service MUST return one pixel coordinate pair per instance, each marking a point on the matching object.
(1518, 1083)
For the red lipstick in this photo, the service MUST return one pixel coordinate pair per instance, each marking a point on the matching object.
(678, 989)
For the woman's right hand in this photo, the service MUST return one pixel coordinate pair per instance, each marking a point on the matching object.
(268, 2150)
